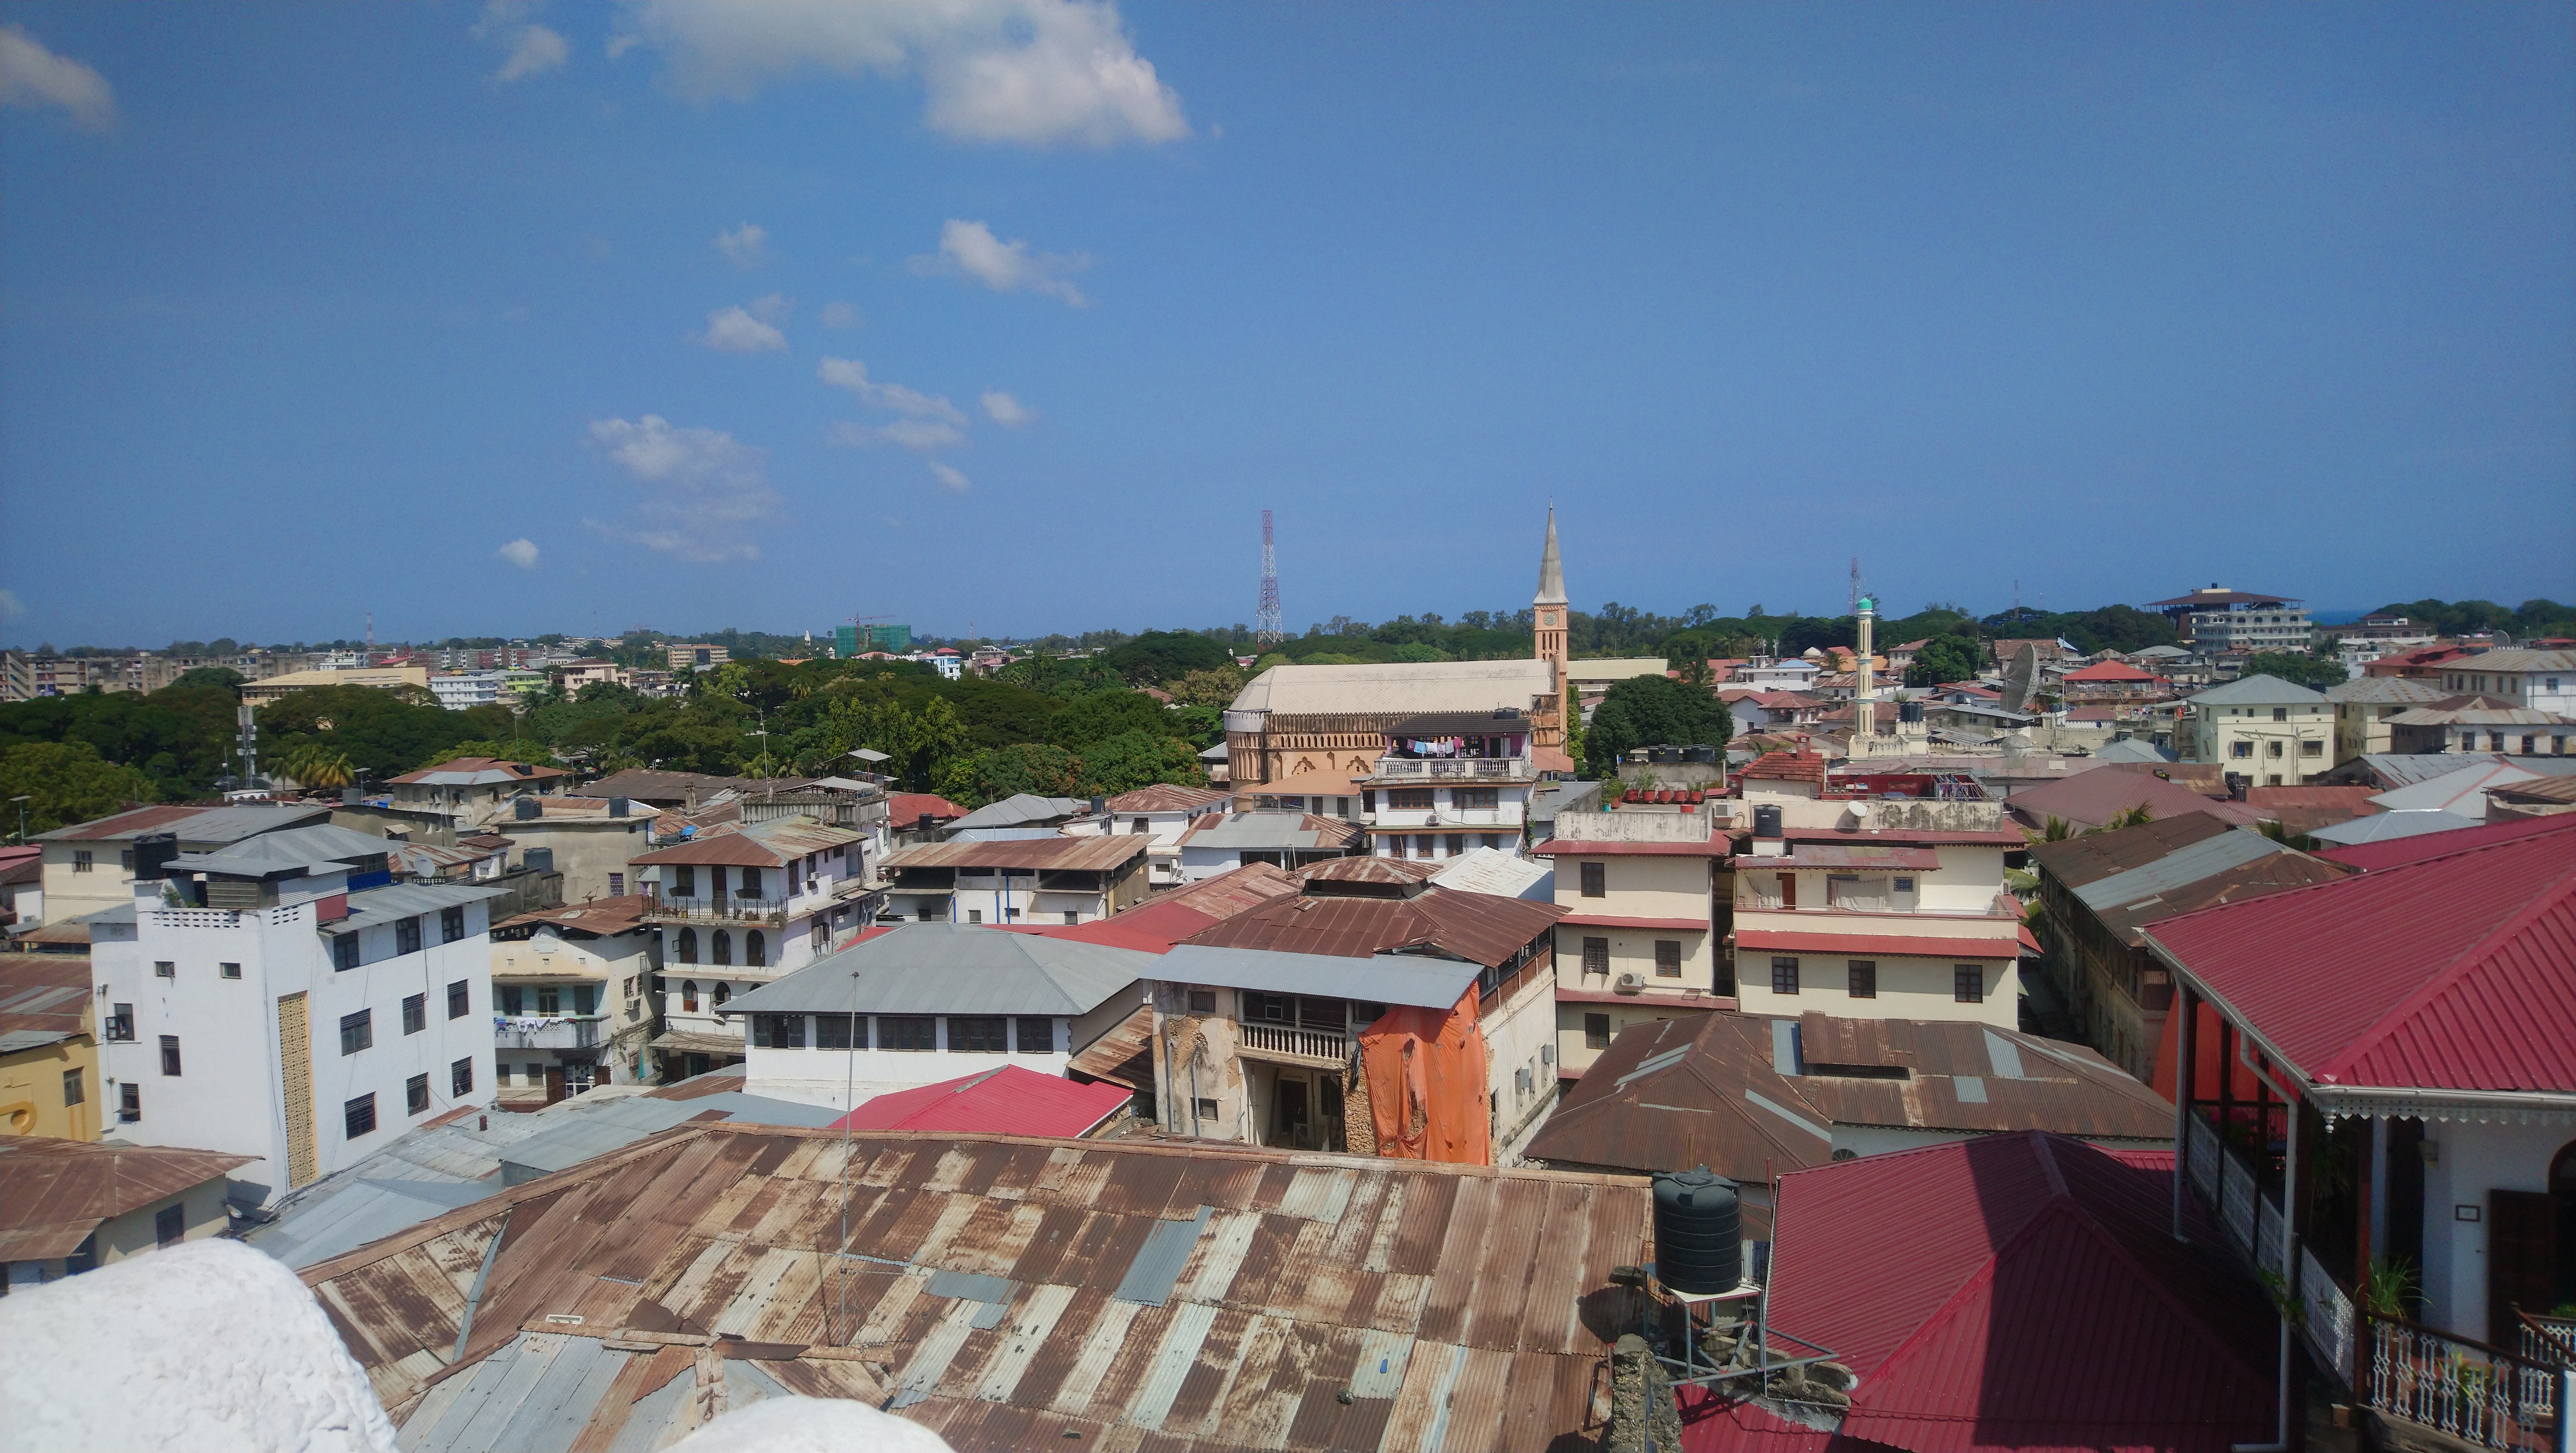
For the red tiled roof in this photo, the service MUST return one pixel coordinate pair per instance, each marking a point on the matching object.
(1005, 1101)
(1785, 767)
(2450, 973)
(2039, 1301)
(1888, 945)
(2112, 671)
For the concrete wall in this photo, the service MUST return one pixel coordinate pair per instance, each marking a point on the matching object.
(825, 1077)
(1574, 1052)
(586, 850)
(1519, 1029)
(2217, 732)
(2471, 1160)
(1908, 988)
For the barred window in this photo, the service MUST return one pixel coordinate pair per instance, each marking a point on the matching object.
(1037, 1034)
(358, 1117)
(1596, 956)
(1864, 979)
(840, 1031)
(778, 1031)
(1968, 983)
(1668, 958)
(1596, 880)
(979, 1034)
(1596, 1031)
(1784, 976)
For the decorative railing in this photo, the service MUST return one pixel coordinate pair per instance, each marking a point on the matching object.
(771, 911)
(2252, 1220)
(1495, 769)
(2549, 1339)
(2474, 1392)
(1314, 1045)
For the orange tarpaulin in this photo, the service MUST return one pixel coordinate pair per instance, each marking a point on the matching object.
(1426, 1084)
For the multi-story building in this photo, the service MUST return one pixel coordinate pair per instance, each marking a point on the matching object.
(592, 841)
(1222, 842)
(385, 678)
(2238, 621)
(283, 999)
(2363, 706)
(1648, 899)
(2272, 732)
(574, 999)
(457, 690)
(2478, 724)
(473, 789)
(1446, 783)
(89, 866)
(74, 1207)
(48, 1047)
(2533, 680)
(1052, 880)
(696, 656)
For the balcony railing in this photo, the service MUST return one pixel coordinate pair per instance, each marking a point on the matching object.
(1467, 769)
(546, 1032)
(2476, 1393)
(771, 911)
(2252, 1218)
(1306, 1046)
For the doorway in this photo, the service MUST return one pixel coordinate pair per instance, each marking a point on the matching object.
(1291, 1124)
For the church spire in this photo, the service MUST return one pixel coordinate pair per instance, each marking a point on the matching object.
(1551, 574)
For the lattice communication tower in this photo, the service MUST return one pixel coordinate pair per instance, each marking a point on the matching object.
(1266, 630)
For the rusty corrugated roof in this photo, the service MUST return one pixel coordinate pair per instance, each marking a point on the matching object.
(53, 1193)
(1476, 926)
(44, 994)
(1279, 1299)
(1085, 854)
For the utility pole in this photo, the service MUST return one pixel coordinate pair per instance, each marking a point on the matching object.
(1852, 606)
(1266, 629)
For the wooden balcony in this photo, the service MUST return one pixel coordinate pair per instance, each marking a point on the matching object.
(1320, 1048)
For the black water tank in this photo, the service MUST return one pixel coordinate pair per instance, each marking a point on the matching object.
(151, 853)
(526, 809)
(1699, 1246)
(1699, 754)
(1909, 711)
(617, 807)
(538, 860)
(1766, 822)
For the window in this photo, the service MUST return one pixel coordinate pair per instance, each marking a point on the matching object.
(778, 1031)
(689, 995)
(1596, 880)
(1596, 956)
(358, 1117)
(129, 1102)
(585, 998)
(1784, 976)
(1204, 1109)
(357, 1031)
(344, 952)
(909, 1031)
(974, 915)
(80, 860)
(1408, 799)
(1668, 958)
(407, 936)
(1788, 890)
(459, 1000)
(164, 969)
(617, 885)
(1269, 1008)
(715, 882)
(721, 943)
(1475, 799)
(228, 971)
(416, 1094)
(979, 1034)
(549, 998)
(1457, 843)
(451, 924)
(1968, 983)
(415, 1013)
(2240, 749)
(1864, 979)
(833, 1031)
(170, 1225)
(74, 1092)
(2280, 713)
(1596, 1031)
(755, 949)
(460, 1077)
(1203, 1001)
(1136, 825)
(2271, 749)
(688, 945)
(170, 1055)
(750, 884)
(1035, 1034)
(2318, 749)
(684, 881)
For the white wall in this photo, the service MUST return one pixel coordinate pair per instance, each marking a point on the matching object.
(1513, 1038)
(811, 1076)
(2473, 1160)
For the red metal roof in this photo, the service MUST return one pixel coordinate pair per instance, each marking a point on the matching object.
(907, 809)
(1889, 945)
(2397, 852)
(1162, 921)
(2112, 671)
(2451, 973)
(2036, 1300)
(1006, 1101)
(1894, 836)
(1475, 926)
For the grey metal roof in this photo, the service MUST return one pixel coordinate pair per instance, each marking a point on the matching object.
(2382, 827)
(953, 968)
(1002, 834)
(205, 825)
(321, 846)
(2463, 792)
(14, 1040)
(1257, 831)
(623, 1122)
(405, 900)
(2402, 769)
(1022, 809)
(121, 913)
(2258, 691)
(2187, 864)
(1217, 753)
(2135, 749)
(1413, 979)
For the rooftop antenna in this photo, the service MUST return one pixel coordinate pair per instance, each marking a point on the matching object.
(371, 638)
(1266, 630)
(1852, 606)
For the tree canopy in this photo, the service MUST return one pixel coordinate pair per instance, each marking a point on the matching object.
(2298, 670)
(67, 782)
(1647, 711)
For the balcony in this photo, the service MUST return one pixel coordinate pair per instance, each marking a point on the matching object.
(1454, 769)
(1320, 1048)
(758, 912)
(547, 1032)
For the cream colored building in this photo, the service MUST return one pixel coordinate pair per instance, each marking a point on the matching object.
(2270, 731)
(75, 1206)
(573, 1001)
(1294, 720)
(1646, 896)
(383, 677)
(2362, 707)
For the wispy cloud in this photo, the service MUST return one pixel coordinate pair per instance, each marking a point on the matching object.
(752, 329)
(33, 77)
(851, 374)
(746, 247)
(1027, 72)
(1007, 411)
(842, 315)
(921, 436)
(11, 607)
(701, 489)
(969, 250)
(521, 552)
(530, 49)
(951, 478)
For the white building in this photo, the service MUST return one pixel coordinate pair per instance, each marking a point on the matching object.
(2270, 731)
(1160, 814)
(2532, 680)
(460, 689)
(1050, 880)
(281, 999)
(1449, 782)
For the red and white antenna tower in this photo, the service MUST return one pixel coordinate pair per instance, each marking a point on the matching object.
(1266, 629)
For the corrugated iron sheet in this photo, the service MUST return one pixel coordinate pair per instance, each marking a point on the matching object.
(1076, 854)
(980, 1292)
(54, 1192)
(1479, 927)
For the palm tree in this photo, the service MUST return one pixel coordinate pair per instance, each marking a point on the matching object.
(2137, 816)
(314, 764)
(2056, 831)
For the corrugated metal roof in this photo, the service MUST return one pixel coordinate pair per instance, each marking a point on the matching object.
(1005, 1101)
(45, 994)
(2448, 973)
(2091, 857)
(1075, 854)
(2373, 857)
(210, 825)
(2037, 1299)
(1023, 809)
(1165, 797)
(2189, 863)
(1310, 1302)
(761, 845)
(53, 1193)
(1477, 926)
(2381, 827)
(1414, 979)
(320, 845)
(405, 900)
(953, 968)
(1493, 871)
(1270, 832)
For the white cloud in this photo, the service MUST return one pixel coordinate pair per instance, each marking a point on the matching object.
(752, 329)
(34, 77)
(841, 315)
(746, 246)
(1007, 411)
(921, 436)
(951, 478)
(521, 552)
(1032, 72)
(970, 250)
(702, 489)
(851, 374)
(533, 49)
(11, 607)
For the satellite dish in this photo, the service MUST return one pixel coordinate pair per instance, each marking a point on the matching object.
(2018, 678)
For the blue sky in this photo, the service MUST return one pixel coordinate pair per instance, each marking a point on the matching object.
(504, 319)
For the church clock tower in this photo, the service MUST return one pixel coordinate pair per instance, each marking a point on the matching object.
(1547, 612)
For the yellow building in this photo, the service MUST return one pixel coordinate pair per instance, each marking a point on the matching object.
(1646, 895)
(49, 1084)
(384, 677)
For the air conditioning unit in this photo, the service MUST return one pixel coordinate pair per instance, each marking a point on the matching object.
(1631, 984)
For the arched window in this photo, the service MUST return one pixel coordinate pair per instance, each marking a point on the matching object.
(724, 991)
(755, 949)
(723, 946)
(689, 948)
(689, 995)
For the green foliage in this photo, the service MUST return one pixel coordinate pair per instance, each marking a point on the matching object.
(1136, 759)
(2538, 617)
(1420, 651)
(527, 752)
(180, 737)
(1159, 656)
(1212, 688)
(2392, 1288)
(1647, 711)
(1943, 659)
(224, 677)
(2055, 830)
(314, 764)
(2298, 670)
(1045, 673)
(2110, 628)
(379, 731)
(1032, 767)
(1104, 714)
(67, 782)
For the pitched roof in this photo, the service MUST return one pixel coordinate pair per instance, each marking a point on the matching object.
(597, 915)
(907, 809)
(1734, 1091)
(1010, 1289)
(1491, 870)
(1023, 809)
(665, 788)
(2111, 671)
(1799, 766)
(321, 847)
(2093, 797)
(477, 772)
(1005, 1101)
(951, 968)
(1398, 689)
(2384, 691)
(1165, 797)
(2446, 973)
(53, 1193)
(2077, 861)
(43, 999)
(2515, 658)
(1103, 853)
(213, 826)
(1477, 927)
(2040, 1300)
(2258, 691)
(770, 844)
(1163, 920)
(1271, 832)
(2397, 852)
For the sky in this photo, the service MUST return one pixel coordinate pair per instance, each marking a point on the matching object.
(1008, 318)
